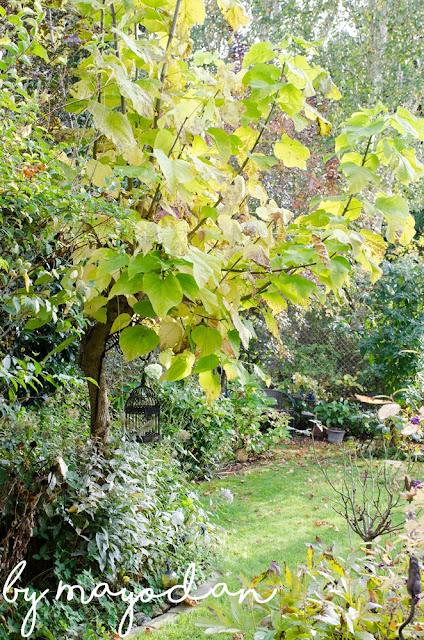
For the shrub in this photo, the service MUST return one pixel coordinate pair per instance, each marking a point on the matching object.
(328, 597)
(204, 435)
(85, 517)
(393, 337)
(200, 434)
(258, 425)
(348, 416)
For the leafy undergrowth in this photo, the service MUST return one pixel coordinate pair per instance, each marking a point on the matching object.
(279, 505)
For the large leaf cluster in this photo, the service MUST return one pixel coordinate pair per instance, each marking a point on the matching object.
(175, 138)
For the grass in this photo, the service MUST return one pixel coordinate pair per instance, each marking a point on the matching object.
(279, 506)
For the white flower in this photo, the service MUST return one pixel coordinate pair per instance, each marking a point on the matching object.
(226, 493)
(153, 371)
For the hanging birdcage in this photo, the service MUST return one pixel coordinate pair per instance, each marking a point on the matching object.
(142, 415)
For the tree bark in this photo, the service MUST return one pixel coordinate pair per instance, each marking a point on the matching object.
(92, 361)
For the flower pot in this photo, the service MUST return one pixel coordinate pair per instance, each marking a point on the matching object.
(335, 435)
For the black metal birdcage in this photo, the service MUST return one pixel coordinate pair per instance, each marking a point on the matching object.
(142, 415)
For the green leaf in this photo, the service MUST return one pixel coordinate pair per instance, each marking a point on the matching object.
(181, 367)
(137, 341)
(395, 210)
(101, 315)
(291, 152)
(125, 286)
(208, 212)
(358, 177)
(222, 141)
(291, 99)
(207, 363)
(111, 263)
(295, 287)
(163, 293)
(144, 309)
(188, 285)
(144, 264)
(113, 124)
(164, 141)
(259, 52)
(143, 173)
(38, 50)
(262, 76)
(63, 345)
(234, 340)
(207, 340)
(264, 162)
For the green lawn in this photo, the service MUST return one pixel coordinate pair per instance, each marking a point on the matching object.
(279, 506)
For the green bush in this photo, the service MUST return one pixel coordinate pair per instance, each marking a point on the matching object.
(205, 435)
(348, 416)
(86, 517)
(393, 334)
(200, 434)
(328, 597)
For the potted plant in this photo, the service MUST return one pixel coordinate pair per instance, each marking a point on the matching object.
(334, 415)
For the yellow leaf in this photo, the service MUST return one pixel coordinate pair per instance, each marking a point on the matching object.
(191, 12)
(376, 245)
(120, 322)
(26, 278)
(134, 156)
(324, 127)
(272, 324)
(210, 384)
(170, 335)
(291, 152)
(181, 366)
(334, 94)
(288, 575)
(173, 236)
(234, 13)
(309, 557)
(99, 174)
(408, 231)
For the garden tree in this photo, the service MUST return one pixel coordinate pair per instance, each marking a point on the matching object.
(197, 242)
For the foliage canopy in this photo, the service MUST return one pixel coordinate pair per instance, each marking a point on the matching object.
(195, 242)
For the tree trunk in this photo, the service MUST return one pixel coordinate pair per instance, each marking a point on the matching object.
(92, 362)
